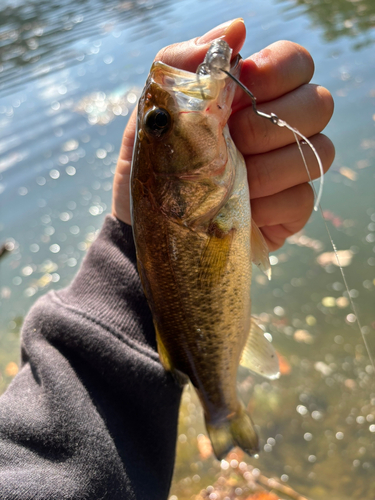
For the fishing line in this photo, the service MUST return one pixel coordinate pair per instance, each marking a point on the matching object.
(317, 206)
(281, 123)
(354, 308)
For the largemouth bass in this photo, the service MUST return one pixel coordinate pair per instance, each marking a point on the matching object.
(195, 242)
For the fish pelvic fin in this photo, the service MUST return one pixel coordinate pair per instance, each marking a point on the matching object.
(165, 360)
(162, 351)
(236, 430)
(259, 355)
(260, 250)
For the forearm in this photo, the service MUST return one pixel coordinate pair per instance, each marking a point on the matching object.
(92, 414)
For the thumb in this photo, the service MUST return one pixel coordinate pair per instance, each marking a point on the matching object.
(188, 55)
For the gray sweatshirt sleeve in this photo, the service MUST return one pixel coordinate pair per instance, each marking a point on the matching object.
(92, 414)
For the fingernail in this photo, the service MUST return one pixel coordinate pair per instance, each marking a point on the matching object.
(217, 32)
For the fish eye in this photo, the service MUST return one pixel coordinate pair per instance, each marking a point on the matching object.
(157, 122)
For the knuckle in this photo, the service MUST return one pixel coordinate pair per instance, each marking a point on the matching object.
(299, 59)
(306, 61)
(259, 176)
(307, 198)
(326, 101)
(166, 54)
(244, 131)
(250, 137)
(303, 202)
(161, 55)
(258, 136)
(327, 151)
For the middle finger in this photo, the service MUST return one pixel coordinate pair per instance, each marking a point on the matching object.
(308, 108)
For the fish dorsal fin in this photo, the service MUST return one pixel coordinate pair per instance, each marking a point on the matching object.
(259, 355)
(214, 258)
(259, 250)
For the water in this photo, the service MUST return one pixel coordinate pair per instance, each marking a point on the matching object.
(70, 74)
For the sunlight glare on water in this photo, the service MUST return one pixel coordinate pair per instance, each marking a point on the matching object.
(70, 75)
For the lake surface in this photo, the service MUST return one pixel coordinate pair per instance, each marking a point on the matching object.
(70, 74)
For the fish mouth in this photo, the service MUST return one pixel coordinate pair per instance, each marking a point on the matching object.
(192, 88)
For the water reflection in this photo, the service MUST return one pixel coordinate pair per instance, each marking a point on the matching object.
(45, 35)
(338, 18)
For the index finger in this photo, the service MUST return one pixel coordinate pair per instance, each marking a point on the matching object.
(274, 71)
(188, 55)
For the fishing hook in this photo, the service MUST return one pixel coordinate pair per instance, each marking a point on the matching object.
(272, 117)
(281, 123)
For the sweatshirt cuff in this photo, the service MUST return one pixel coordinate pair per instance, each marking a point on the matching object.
(108, 289)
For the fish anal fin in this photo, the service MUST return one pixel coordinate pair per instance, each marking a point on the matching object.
(236, 430)
(260, 250)
(259, 355)
(215, 256)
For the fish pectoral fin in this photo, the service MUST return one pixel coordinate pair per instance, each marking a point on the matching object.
(165, 360)
(236, 430)
(259, 355)
(215, 257)
(260, 250)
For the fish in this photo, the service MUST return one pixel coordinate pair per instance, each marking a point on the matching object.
(195, 242)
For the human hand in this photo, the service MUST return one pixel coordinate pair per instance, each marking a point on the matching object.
(281, 198)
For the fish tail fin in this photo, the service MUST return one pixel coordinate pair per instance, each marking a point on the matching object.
(238, 430)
